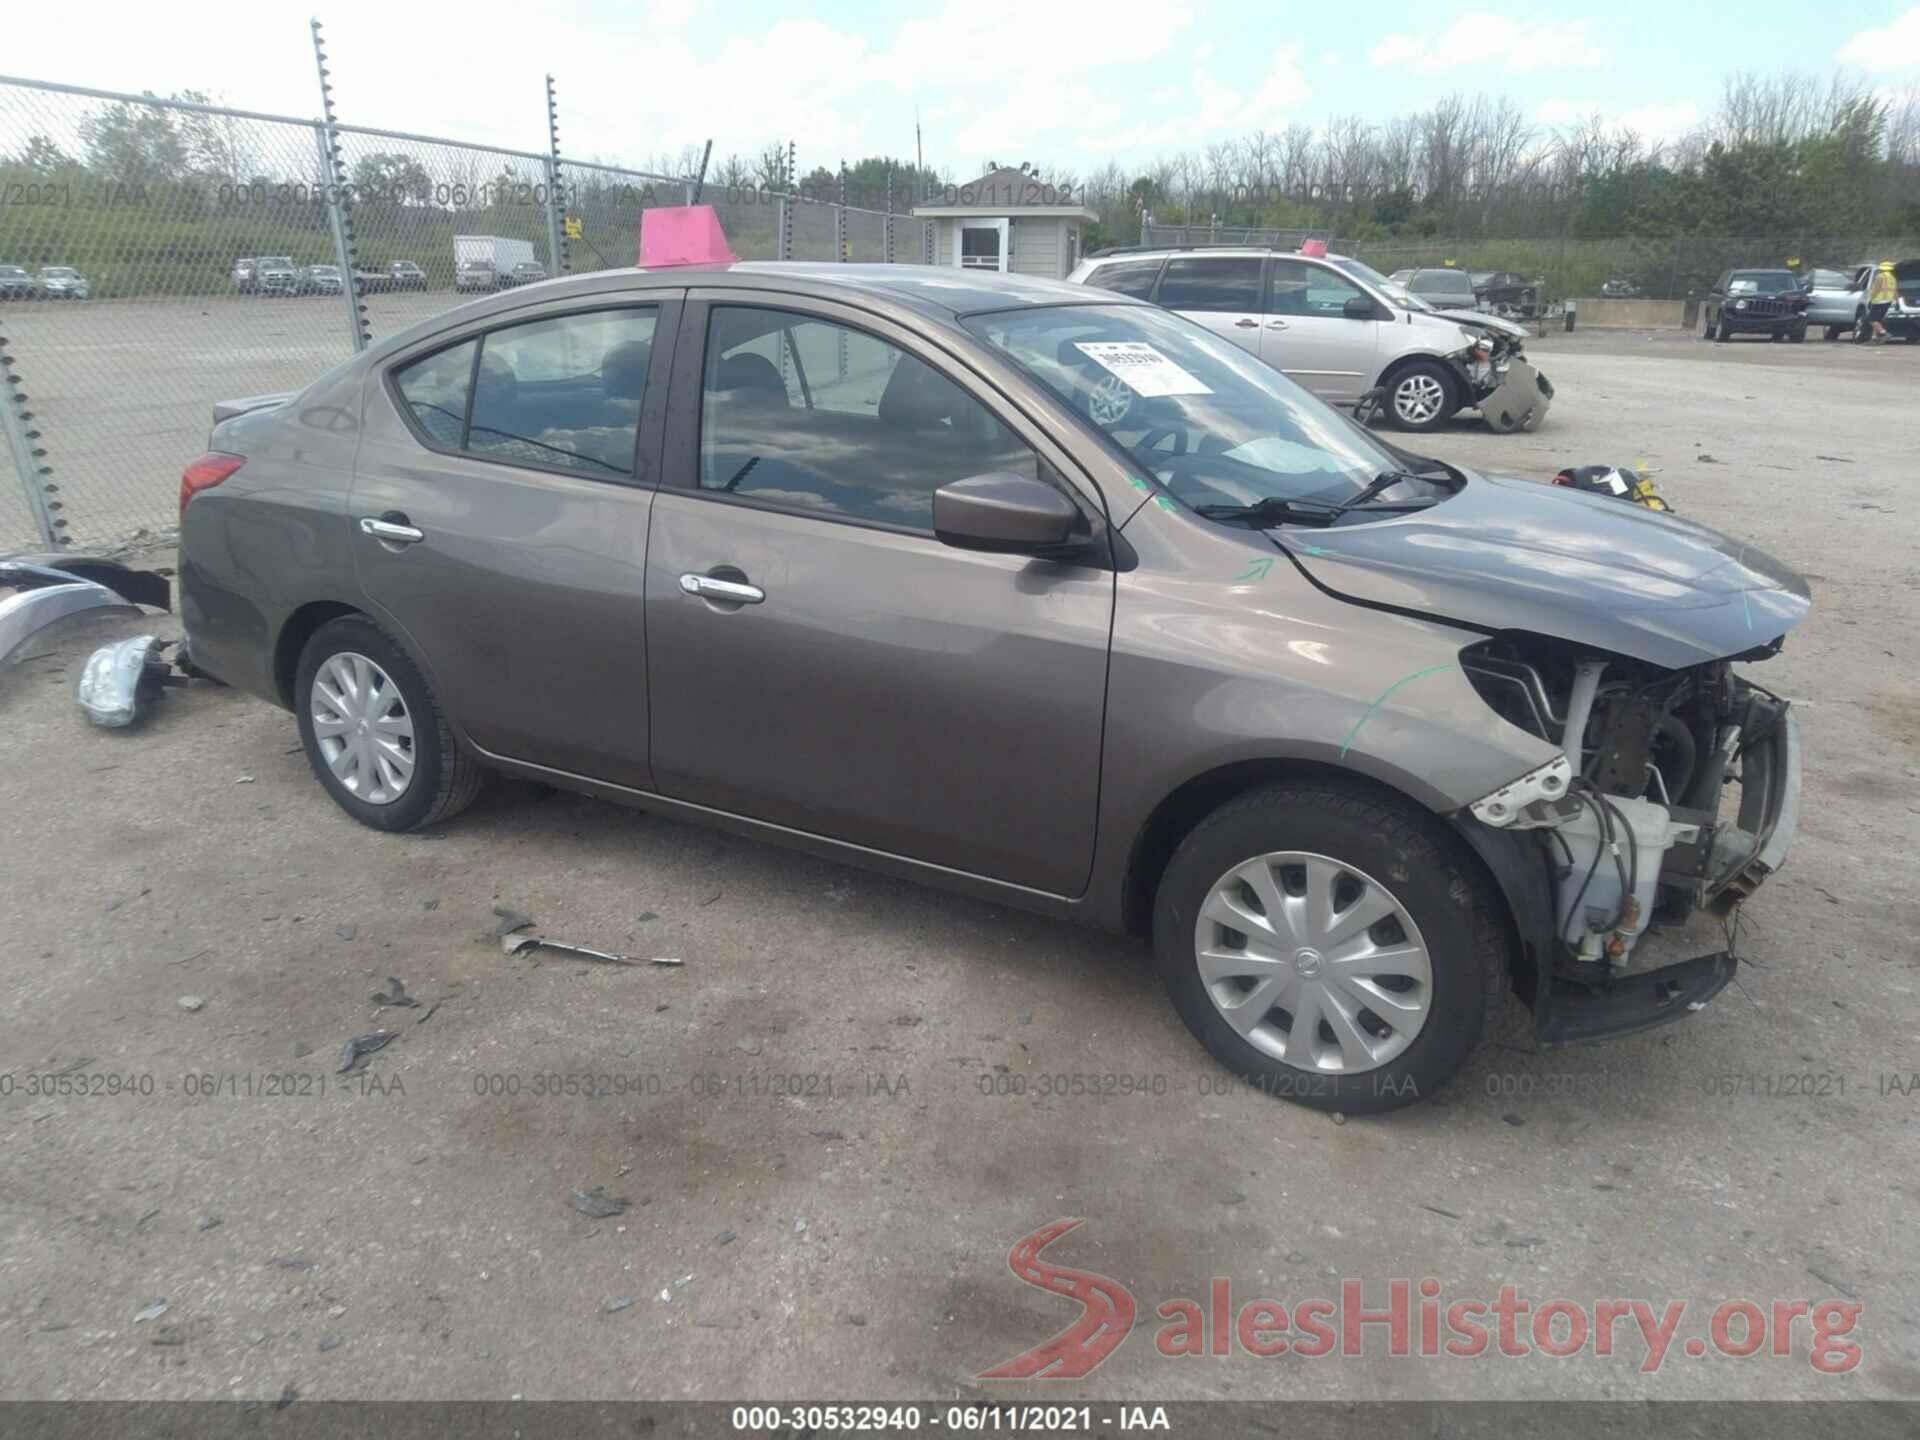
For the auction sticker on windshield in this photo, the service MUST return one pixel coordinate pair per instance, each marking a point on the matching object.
(1145, 369)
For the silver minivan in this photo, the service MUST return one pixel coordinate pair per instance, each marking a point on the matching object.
(1337, 327)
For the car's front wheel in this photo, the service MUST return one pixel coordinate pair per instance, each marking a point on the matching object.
(1331, 945)
(374, 733)
(1420, 396)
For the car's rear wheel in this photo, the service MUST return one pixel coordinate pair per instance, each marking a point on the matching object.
(1420, 396)
(1797, 334)
(1330, 945)
(1724, 333)
(374, 734)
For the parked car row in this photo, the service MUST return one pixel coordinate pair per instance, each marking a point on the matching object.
(278, 275)
(1499, 292)
(49, 282)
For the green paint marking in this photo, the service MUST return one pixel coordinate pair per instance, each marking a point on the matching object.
(1256, 571)
(1313, 549)
(1385, 695)
(1167, 505)
(1139, 484)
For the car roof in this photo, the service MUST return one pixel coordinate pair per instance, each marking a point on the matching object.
(940, 294)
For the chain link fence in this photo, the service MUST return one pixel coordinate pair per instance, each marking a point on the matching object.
(158, 255)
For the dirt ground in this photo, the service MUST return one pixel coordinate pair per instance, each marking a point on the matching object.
(830, 1124)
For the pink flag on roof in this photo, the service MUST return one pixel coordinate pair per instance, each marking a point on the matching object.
(1315, 248)
(682, 235)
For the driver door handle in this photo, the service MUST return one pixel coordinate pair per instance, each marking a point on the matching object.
(391, 531)
(733, 591)
(1276, 324)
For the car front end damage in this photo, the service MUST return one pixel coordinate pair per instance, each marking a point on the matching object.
(1652, 779)
(1495, 376)
(1676, 790)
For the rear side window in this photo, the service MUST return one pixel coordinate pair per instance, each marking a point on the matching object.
(1212, 283)
(435, 390)
(563, 393)
(1128, 277)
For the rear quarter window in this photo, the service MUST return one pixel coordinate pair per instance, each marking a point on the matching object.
(1127, 277)
(435, 390)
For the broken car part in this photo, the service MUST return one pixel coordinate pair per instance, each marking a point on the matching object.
(514, 944)
(1618, 481)
(354, 1053)
(119, 679)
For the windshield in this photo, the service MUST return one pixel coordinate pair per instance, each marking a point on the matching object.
(280, 260)
(1393, 290)
(11, 270)
(1207, 420)
(1761, 282)
(58, 272)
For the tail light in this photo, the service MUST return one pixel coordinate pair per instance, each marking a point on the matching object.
(205, 473)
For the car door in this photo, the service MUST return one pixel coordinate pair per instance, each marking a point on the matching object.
(1221, 292)
(1309, 336)
(501, 494)
(817, 659)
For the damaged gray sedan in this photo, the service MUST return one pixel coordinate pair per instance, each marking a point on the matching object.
(1035, 593)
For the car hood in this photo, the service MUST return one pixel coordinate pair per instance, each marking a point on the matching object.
(1480, 320)
(1505, 554)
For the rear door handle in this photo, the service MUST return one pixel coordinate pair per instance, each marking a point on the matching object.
(391, 531)
(1245, 324)
(733, 592)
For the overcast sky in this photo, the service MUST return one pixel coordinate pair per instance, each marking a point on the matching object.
(1070, 86)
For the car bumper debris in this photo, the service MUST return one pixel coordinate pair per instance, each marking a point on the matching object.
(38, 590)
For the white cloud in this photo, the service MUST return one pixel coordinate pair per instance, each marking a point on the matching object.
(1481, 38)
(1656, 120)
(995, 45)
(1894, 46)
(1212, 108)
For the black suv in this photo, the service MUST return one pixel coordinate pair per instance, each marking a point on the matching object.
(1756, 301)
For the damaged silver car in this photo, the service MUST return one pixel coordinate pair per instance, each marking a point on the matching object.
(1339, 328)
(1039, 594)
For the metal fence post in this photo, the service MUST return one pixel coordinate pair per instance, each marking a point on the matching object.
(783, 222)
(339, 204)
(16, 422)
(556, 231)
(840, 222)
(887, 243)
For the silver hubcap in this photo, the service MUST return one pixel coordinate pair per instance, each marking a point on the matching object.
(1418, 398)
(364, 730)
(1110, 401)
(1313, 962)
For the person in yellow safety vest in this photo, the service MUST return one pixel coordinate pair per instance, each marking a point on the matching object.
(1881, 289)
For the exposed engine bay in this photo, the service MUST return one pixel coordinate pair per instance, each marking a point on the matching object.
(1509, 393)
(1674, 789)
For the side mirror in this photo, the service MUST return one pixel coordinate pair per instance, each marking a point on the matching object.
(1004, 513)
(1359, 307)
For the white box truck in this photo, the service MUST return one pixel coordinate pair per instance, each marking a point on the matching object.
(488, 262)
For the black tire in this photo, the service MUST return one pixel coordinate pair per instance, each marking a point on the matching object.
(1450, 396)
(1723, 334)
(1833, 332)
(1427, 869)
(1798, 334)
(445, 779)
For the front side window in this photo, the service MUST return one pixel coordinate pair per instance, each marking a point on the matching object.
(1213, 283)
(821, 418)
(1303, 289)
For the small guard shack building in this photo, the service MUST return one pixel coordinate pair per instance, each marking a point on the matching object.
(1009, 221)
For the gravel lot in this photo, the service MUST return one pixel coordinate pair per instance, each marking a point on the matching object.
(407, 1232)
